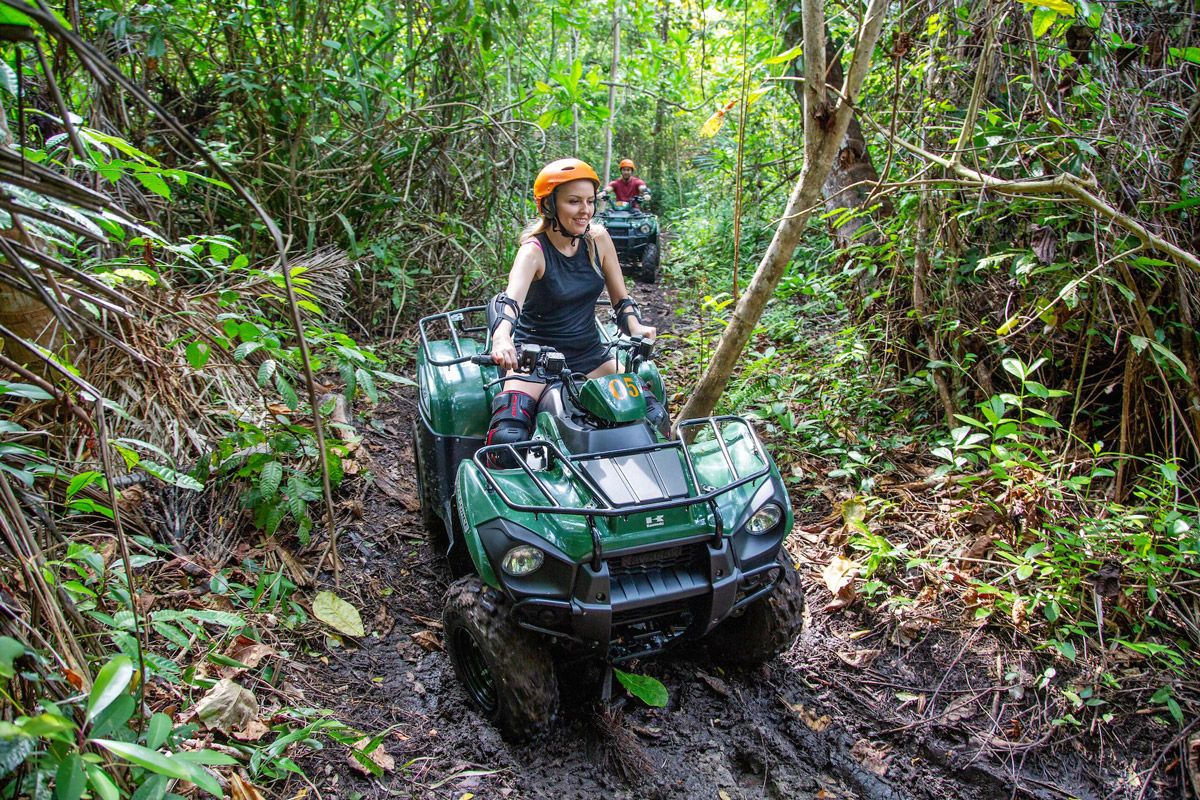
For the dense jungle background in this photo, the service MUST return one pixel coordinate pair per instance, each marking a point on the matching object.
(967, 330)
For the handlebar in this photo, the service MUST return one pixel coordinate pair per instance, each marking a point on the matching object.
(542, 364)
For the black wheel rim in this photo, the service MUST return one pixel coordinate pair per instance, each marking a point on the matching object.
(474, 670)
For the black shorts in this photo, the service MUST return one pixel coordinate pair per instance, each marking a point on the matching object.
(581, 356)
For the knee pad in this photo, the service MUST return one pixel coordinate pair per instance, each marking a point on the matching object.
(656, 412)
(513, 414)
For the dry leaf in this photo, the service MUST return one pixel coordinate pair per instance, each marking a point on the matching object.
(839, 577)
(809, 718)
(1020, 614)
(254, 730)
(906, 634)
(241, 790)
(382, 623)
(716, 684)
(856, 658)
(428, 640)
(227, 706)
(1044, 241)
(960, 709)
(871, 757)
(248, 652)
(380, 756)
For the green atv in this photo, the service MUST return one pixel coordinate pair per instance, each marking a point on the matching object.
(635, 235)
(598, 541)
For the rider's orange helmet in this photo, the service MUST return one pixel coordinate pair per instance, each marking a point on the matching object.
(626, 162)
(559, 172)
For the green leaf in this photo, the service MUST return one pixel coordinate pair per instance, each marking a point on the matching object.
(287, 392)
(173, 477)
(10, 650)
(265, 371)
(338, 614)
(210, 757)
(1067, 649)
(158, 730)
(367, 384)
(270, 478)
(649, 690)
(110, 683)
(154, 788)
(84, 479)
(197, 354)
(8, 77)
(69, 779)
(14, 751)
(1043, 18)
(154, 183)
(103, 786)
(115, 716)
(786, 55)
(244, 349)
(1173, 705)
(161, 764)
(11, 16)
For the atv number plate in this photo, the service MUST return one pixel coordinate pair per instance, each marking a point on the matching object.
(623, 387)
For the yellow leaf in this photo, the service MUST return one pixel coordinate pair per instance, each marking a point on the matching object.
(712, 125)
(757, 93)
(1061, 6)
(338, 614)
(1008, 326)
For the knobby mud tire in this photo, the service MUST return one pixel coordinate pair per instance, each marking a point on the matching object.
(768, 627)
(507, 671)
(650, 258)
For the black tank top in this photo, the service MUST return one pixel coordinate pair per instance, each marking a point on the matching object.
(560, 308)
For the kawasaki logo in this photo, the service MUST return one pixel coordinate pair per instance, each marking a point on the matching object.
(655, 522)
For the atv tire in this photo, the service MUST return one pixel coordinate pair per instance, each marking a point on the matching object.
(650, 256)
(506, 670)
(767, 627)
(433, 523)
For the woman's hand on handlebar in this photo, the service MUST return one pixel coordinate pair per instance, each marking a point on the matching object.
(638, 329)
(504, 352)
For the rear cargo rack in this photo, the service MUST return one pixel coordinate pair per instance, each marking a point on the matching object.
(456, 322)
(599, 504)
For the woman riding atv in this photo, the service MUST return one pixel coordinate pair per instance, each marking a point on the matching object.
(561, 267)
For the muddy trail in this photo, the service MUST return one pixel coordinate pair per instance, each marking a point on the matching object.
(854, 710)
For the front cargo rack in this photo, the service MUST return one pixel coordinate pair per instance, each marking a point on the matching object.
(600, 504)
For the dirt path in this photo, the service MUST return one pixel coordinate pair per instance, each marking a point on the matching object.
(813, 723)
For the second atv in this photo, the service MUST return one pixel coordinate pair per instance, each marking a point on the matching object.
(598, 541)
(635, 234)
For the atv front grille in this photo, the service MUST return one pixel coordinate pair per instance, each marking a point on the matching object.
(652, 561)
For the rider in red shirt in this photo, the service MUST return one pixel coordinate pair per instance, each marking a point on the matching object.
(627, 187)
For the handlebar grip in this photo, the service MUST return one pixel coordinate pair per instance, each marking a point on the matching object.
(483, 359)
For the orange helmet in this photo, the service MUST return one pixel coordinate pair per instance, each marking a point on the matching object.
(559, 172)
(626, 162)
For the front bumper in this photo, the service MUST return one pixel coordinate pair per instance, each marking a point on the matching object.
(633, 607)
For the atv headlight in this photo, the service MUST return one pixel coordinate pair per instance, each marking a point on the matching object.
(645, 228)
(522, 560)
(765, 518)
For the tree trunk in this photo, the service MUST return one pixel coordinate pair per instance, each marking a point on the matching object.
(824, 130)
(574, 106)
(853, 175)
(612, 90)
